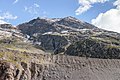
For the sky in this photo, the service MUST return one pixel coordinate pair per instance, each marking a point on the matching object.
(101, 13)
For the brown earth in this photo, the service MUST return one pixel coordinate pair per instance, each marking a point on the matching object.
(59, 67)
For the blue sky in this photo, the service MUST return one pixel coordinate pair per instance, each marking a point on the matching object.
(25, 10)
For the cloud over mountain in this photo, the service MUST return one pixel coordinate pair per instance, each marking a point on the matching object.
(2, 22)
(33, 9)
(110, 20)
(6, 16)
(86, 5)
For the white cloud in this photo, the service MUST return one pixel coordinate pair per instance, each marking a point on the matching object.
(110, 20)
(86, 5)
(3, 22)
(15, 1)
(7, 15)
(36, 5)
(117, 3)
(33, 9)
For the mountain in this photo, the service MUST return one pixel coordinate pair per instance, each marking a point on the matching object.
(58, 49)
(11, 38)
(54, 33)
(41, 25)
(74, 23)
(72, 37)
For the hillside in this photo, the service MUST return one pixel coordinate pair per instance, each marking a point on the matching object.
(72, 37)
(58, 49)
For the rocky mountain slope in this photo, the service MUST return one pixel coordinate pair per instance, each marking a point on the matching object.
(72, 37)
(11, 38)
(58, 49)
(41, 25)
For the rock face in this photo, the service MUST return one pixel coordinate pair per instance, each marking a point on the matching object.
(51, 42)
(6, 26)
(94, 49)
(7, 30)
(75, 23)
(6, 71)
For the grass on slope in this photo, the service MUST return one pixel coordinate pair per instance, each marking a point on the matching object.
(18, 45)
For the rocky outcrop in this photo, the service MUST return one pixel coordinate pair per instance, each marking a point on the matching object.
(51, 42)
(6, 71)
(6, 26)
(75, 23)
(93, 49)
(7, 31)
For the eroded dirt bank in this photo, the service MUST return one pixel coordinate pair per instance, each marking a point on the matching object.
(60, 67)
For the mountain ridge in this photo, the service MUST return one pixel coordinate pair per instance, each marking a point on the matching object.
(55, 36)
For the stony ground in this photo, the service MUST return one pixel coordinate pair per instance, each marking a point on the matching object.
(57, 67)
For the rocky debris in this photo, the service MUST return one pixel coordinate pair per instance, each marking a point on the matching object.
(6, 71)
(61, 67)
